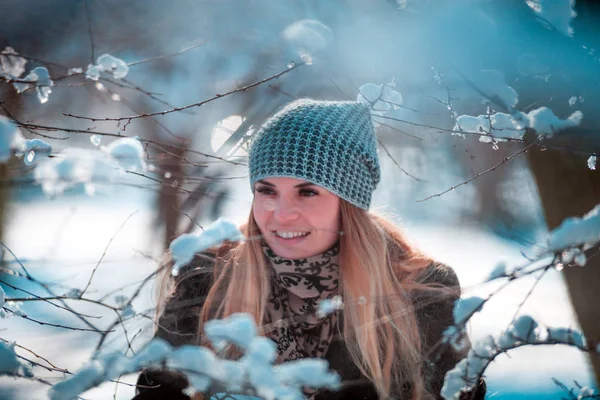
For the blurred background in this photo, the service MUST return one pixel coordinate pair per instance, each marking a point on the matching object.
(468, 200)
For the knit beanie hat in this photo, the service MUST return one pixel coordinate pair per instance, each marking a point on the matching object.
(329, 143)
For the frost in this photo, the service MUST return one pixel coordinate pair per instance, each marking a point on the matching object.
(184, 247)
(576, 231)
(498, 272)
(543, 121)
(11, 64)
(308, 36)
(238, 329)
(381, 98)
(107, 63)
(466, 307)
(73, 294)
(73, 71)
(327, 306)
(591, 162)
(558, 13)
(96, 140)
(128, 153)
(40, 79)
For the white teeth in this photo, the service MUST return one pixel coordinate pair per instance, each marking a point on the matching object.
(289, 235)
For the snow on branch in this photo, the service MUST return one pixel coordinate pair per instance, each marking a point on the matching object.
(107, 63)
(254, 373)
(501, 126)
(575, 231)
(75, 166)
(185, 247)
(522, 332)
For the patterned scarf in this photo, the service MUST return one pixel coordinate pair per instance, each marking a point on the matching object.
(297, 287)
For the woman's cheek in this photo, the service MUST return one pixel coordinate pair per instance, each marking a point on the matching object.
(267, 205)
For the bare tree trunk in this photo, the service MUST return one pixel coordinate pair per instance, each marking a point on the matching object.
(568, 188)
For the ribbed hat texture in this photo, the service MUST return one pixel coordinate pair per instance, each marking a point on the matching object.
(329, 143)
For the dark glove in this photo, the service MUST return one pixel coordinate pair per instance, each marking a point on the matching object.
(161, 384)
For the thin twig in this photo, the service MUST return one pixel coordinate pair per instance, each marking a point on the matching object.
(199, 104)
(504, 161)
(44, 299)
(194, 46)
(56, 325)
(394, 161)
(104, 253)
(90, 33)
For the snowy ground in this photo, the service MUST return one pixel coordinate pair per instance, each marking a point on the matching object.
(63, 241)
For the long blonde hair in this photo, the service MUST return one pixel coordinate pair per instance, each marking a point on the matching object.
(378, 271)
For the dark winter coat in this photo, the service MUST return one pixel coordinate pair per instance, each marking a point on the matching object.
(179, 321)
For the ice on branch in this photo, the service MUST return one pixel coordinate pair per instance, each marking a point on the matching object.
(11, 65)
(107, 63)
(465, 307)
(9, 363)
(559, 13)
(381, 98)
(34, 150)
(206, 371)
(128, 153)
(591, 162)
(40, 79)
(576, 232)
(187, 245)
(309, 37)
(500, 126)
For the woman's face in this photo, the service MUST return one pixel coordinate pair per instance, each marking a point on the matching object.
(297, 218)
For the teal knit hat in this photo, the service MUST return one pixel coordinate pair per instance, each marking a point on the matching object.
(329, 143)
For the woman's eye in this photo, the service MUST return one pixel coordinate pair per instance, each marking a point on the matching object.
(265, 190)
(308, 192)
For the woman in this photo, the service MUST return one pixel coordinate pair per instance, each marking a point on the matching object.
(313, 169)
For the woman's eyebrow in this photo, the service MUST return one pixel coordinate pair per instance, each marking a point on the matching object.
(265, 183)
(301, 185)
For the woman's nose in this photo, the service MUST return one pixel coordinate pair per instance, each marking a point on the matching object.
(285, 210)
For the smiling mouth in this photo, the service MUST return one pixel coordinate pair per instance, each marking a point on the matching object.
(290, 235)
